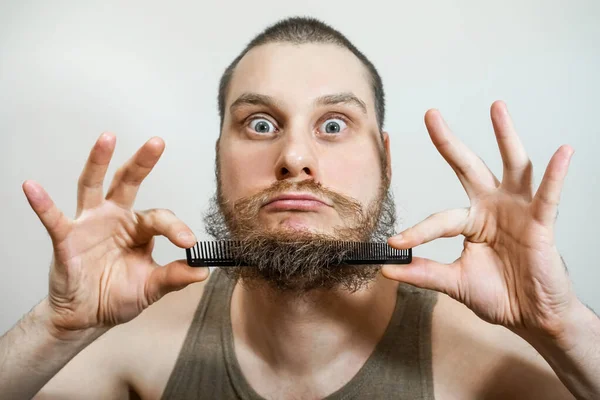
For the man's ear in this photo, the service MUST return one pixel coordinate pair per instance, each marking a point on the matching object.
(388, 154)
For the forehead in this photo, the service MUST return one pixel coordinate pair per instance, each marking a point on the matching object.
(298, 74)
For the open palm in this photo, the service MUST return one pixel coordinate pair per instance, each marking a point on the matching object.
(510, 272)
(103, 273)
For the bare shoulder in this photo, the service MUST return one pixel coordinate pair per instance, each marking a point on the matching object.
(475, 359)
(132, 359)
(151, 342)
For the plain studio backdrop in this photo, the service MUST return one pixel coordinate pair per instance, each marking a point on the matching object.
(71, 70)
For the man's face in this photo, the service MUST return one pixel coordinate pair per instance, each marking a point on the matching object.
(300, 119)
(291, 139)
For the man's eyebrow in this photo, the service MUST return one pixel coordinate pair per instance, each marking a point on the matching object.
(342, 98)
(253, 99)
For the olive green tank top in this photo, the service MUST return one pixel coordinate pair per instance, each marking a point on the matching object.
(399, 367)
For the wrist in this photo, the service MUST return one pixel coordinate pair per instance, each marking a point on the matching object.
(573, 353)
(43, 316)
(578, 326)
(581, 326)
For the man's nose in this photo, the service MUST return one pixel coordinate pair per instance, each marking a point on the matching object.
(297, 157)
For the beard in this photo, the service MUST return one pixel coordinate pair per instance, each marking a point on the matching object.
(294, 261)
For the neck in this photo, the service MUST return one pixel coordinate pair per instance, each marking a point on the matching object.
(286, 335)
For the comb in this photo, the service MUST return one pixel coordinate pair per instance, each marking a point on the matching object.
(222, 253)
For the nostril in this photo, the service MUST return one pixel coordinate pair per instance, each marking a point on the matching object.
(287, 172)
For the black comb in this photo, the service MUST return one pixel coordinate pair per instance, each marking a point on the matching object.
(222, 253)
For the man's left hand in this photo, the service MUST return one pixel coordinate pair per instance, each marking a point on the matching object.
(510, 272)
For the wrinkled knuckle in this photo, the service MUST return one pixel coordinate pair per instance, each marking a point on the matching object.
(529, 163)
(82, 181)
(86, 182)
(128, 177)
(169, 211)
(157, 211)
(464, 168)
(148, 217)
(162, 214)
(526, 167)
(157, 214)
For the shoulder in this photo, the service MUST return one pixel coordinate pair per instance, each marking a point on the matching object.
(136, 357)
(148, 346)
(475, 359)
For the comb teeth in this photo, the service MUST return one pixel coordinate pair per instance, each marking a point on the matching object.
(374, 253)
(213, 253)
(222, 253)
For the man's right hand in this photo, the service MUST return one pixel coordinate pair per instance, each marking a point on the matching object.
(102, 272)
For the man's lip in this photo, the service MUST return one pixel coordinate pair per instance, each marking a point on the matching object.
(297, 197)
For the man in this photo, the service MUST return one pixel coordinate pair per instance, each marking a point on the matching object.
(302, 159)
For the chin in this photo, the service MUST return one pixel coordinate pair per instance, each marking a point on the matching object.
(296, 224)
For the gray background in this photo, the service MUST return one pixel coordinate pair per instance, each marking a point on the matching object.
(71, 70)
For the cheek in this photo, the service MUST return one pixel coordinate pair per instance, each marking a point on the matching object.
(356, 173)
(244, 171)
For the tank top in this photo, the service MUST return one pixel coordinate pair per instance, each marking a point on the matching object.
(400, 366)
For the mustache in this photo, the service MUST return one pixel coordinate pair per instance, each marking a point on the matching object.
(346, 206)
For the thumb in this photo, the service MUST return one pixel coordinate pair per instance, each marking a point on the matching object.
(427, 274)
(172, 277)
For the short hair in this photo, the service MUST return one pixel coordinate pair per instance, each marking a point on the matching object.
(302, 30)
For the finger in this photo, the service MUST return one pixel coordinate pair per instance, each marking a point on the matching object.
(473, 174)
(173, 276)
(128, 178)
(163, 222)
(90, 185)
(545, 201)
(55, 222)
(427, 274)
(517, 176)
(448, 223)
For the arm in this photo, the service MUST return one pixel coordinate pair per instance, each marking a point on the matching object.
(537, 367)
(575, 354)
(477, 360)
(31, 354)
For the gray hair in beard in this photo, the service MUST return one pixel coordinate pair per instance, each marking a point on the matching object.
(296, 262)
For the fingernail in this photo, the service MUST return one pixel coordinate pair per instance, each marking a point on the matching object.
(186, 236)
(397, 238)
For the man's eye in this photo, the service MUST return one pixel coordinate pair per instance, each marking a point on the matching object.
(333, 125)
(261, 125)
